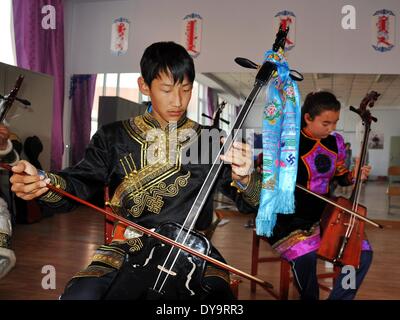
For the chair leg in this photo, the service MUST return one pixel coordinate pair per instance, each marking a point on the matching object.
(285, 280)
(235, 287)
(255, 252)
(336, 270)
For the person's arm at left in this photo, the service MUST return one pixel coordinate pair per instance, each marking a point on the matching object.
(7, 152)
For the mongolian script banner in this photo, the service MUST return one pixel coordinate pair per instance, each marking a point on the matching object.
(119, 36)
(192, 29)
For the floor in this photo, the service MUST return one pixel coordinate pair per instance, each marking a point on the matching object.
(67, 242)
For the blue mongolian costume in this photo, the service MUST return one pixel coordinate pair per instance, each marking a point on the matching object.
(146, 193)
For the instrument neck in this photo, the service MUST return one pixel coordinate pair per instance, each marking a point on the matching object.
(362, 161)
(212, 176)
(9, 99)
(262, 78)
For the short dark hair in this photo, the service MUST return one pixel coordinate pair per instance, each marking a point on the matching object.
(317, 102)
(167, 57)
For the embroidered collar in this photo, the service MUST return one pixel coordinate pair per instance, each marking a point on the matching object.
(149, 119)
(140, 125)
(308, 134)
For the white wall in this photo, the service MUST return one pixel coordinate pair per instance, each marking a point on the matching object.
(230, 29)
(388, 123)
(37, 120)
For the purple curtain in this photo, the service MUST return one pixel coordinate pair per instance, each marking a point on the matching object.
(40, 47)
(237, 110)
(82, 88)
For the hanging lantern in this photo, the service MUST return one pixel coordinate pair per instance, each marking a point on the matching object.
(383, 30)
(192, 29)
(119, 36)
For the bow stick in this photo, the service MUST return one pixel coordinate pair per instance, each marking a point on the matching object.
(163, 238)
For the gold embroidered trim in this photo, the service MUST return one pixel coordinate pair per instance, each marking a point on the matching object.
(138, 128)
(128, 165)
(151, 198)
(5, 241)
(140, 181)
(128, 126)
(151, 120)
(56, 181)
(253, 191)
(112, 256)
(93, 271)
(110, 259)
(135, 244)
(145, 188)
(150, 174)
(112, 248)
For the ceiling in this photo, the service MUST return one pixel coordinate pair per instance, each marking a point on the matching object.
(349, 88)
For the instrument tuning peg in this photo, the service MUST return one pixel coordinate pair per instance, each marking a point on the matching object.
(23, 101)
(246, 63)
(295, 75)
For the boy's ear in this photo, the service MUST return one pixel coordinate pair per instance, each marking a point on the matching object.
(307, 117)
(143, 87)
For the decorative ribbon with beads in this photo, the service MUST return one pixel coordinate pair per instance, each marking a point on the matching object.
(280, 135)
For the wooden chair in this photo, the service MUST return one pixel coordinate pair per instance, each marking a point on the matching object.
(394, 184)
(285, 270)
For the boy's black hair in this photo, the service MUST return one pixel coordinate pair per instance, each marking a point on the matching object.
(317, 102)
(167, 57)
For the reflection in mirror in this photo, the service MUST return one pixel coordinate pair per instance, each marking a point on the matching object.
(350, 89)
(211, 89)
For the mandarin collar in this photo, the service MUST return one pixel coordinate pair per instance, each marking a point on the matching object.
(149, 117)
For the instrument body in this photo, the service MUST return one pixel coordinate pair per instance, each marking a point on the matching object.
(335, 247)
(136, 277)
(342, 234)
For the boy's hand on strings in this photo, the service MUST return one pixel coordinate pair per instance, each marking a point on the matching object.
(241, 160)
(29, 185)
(365, 170)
